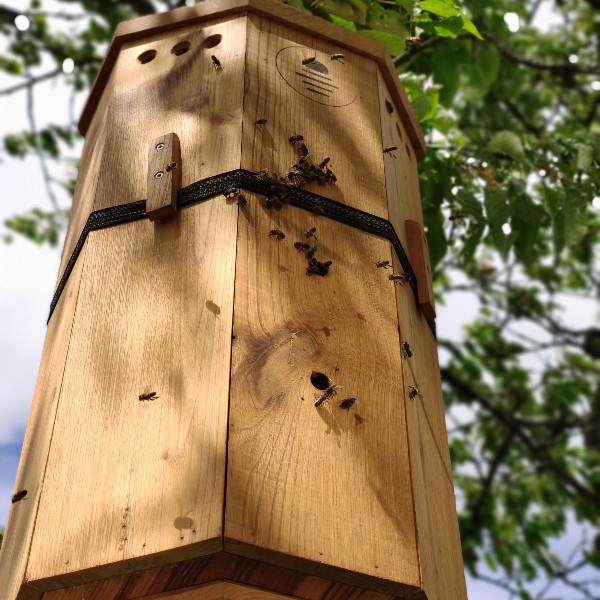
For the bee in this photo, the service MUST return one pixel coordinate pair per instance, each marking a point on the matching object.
(390, 150)
(311, 233)
(302, 247)
(383, 264)
(311, 252)
(148, 396)
(389, 107)
(316, 267)
(329, 174)
(307, 61)
(414, 392)
(303, 149)
(171, 166)
(242, 200)
(296, 138)
(339, 57)
(261, 122)
(279, 235)
(262, 175)
(401, 279)
(330, 392)
(19, 496)
(412, 41)
(406, 350)
(324, 162)
(347, 403)
(231, 192)
(216, 62)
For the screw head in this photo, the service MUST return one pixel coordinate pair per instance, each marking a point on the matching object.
(158, 175)
(160, 146)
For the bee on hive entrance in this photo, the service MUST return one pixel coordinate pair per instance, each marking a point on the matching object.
(406, 350)
(383, 264)
(347, 403)
(216, 63)
(277, 234)
(148, 396)
(307, 61)
(296, 138)
(338, 57)
(171, 166)
(401, 279)
(389, 107)
(390, 150)
(330, 392)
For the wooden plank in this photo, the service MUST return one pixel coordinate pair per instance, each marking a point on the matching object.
(155, 316)
(436, 521)
(164, 176)
(14, 553)
(418, 254)
(197, 573)
(221, 590)
(343, 126)
(277, 11)
(305, 484)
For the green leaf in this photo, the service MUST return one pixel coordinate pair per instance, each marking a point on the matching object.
(509, 144)
(395, 44)
(351, 10)
(585, 158)
(487, 63)
(15, 145)
(388, 21)
(469, 26)
(443, 8)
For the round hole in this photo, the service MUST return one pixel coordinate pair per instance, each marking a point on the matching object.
(399, 131)
(319, 380)
(146, 57)
(212, 40)
(408, 152)
(181, 48)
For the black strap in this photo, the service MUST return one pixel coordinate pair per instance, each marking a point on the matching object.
(247, 180)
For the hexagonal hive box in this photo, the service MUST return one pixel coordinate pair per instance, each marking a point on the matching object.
(239, 396)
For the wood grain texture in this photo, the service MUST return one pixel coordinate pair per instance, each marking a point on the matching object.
(164, 176)
(155, 315)
(189, 575)
(418, 255)
(436, 521)
(272, 10)
(32, 465)
(305, 484)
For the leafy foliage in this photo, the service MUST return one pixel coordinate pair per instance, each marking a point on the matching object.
(507, 184)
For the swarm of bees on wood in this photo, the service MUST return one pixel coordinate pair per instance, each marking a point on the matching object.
(314, 267)
(303, 171)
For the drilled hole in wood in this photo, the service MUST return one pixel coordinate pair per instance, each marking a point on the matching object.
(181, 48)
(146, 57)
(212, 40)
(408, 152)
(319, 380)
(399, 130)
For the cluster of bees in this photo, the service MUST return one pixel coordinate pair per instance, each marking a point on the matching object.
(303, 171)
(315, 267)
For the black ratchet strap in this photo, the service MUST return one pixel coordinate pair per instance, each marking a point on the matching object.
(251, 182)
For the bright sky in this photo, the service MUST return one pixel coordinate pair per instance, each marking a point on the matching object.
(28, 274)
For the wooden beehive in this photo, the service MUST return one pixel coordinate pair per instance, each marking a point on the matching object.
(174, 446)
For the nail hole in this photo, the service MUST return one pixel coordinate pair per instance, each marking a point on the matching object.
(319, 380)
(212, 40)
(146, 57)
(181, 48)
(399, 131)
(408, 152)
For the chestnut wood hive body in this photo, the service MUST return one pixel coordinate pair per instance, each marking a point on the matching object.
(174, 449)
